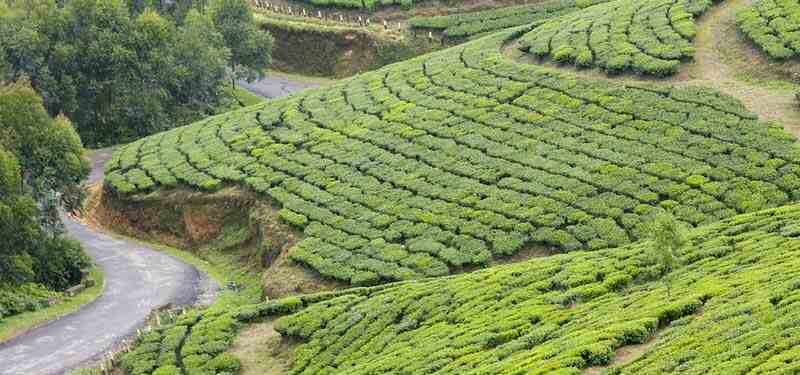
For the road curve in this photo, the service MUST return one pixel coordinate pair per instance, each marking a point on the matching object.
(273, 86)
(138, 279)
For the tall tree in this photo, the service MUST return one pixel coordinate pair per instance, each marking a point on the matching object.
(251, 48)
(41, 168)
(201, 54)
(48, 149)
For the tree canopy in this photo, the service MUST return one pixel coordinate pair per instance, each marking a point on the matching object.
(120, 70)
(251, 48)
(41, 168)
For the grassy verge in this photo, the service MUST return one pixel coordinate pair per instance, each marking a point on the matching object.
(18, 324)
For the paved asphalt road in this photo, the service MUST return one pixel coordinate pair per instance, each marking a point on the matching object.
(138, 280)
(275, 86)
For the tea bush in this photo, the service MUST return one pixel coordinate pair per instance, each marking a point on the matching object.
(774, 25)
(646, 37)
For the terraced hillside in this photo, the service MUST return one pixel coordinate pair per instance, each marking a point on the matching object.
(458, 157)
(464, 25)
(774, 25)
(734, 310)
(648, 37)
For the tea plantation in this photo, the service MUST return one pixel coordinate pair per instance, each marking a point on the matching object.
(475, 23)
(646, 37)
(734, 309)
(455, 158)
(361, 4)
(774, 25)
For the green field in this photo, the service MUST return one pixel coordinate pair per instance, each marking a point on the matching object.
(774, 25)
(432, 186)
(734, 309)
(458, 157)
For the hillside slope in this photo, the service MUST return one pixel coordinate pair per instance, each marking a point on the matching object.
(733, 309)
(454, 158)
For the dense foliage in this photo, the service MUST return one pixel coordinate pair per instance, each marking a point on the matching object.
(41, 168)
(119, 76)
(455, 158)
(774, 25)
(565, 313)
(470, 24)
(647, 37)
(251, 48)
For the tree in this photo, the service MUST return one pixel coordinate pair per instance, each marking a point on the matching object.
(668, 237)
(48, 149)
(41, 168)
(201, 55)
(251, 48)
(19, 228)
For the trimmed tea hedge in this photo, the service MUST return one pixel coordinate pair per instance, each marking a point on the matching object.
(774, 25)
(465, 25)
(734, 309)
(646, 37)
(458, 157)
(195, 344)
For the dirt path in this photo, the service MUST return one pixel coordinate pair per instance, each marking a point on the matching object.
(717, 33)
(724, 60)
(138, 280)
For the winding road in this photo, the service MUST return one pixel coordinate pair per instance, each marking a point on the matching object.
(138, 279)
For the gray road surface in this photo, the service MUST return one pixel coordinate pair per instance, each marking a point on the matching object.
(138, 280)
(273, 86)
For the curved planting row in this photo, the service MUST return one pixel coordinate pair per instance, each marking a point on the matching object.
(774, 25)
(466, 25)
(194, 343)
(565, 313)
(647, 37)
(458, 157)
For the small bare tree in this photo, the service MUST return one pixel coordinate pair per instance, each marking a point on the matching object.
(668, 236)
